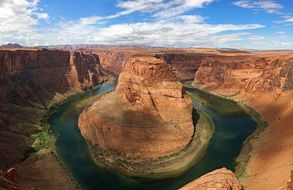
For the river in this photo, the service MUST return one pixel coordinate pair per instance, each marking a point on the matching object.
(232, 127)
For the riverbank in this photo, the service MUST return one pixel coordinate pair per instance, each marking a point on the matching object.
(269, 163)
(44, 168)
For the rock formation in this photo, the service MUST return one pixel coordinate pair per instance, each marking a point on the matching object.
(8, 179)
(184, 64)
(31, 80)
(263, 81)
(221, 179)
(114, 60)
(147, 117)
(251, 72)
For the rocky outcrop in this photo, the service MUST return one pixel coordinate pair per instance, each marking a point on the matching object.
(32, 80)
(221, 179)
(249, 73)
(8, 179)
(148, 117)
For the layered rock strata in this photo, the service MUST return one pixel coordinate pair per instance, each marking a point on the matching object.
(221, 179)
(147, 118)
(263, 81)
(256, 73)
(183, 64)
(32, 80)
(8, 179)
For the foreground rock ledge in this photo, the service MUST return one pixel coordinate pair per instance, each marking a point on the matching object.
(146, 126)
(221, 179)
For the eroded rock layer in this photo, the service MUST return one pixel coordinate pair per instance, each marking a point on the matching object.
(183, 64)
(250, 72)
(8, 179)
(263, 81)
(32, 80)
(147, 117)
(221, 179)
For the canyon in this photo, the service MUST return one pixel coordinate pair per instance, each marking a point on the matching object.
(263, 81)
(34, 81)
(152, 122)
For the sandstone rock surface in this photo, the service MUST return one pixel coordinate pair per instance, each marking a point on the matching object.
(263, 81)
(256, 73)
(31, 80)
(147, 117)
(221, 179)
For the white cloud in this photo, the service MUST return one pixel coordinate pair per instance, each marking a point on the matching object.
(170, 26)
(169, 33)
(18, 18)
(90, 20)
(286, 19)
(161, 8)
(266, 5)
(191, 18)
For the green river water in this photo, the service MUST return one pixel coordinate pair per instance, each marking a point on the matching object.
(232, 127)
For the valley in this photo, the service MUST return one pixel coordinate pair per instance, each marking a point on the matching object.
(150, 123)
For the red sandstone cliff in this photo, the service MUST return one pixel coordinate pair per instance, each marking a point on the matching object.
(184, 65)
(31, 81)
(263, 81)
(113, 60)
(250, 73)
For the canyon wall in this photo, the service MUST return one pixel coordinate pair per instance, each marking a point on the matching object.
(184, 65)
(263, 81)
(113, 60)
(32, 80)
(253, 73)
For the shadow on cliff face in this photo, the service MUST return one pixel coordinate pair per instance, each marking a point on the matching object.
(29, 81)
(88, 67)
(184, 65)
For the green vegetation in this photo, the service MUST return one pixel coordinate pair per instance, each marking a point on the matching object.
(44, 140)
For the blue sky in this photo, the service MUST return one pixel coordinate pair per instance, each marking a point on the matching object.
(257, 24)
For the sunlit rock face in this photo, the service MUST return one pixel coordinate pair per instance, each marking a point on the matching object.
(148, 115)
(221, 179)
(257, 73)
